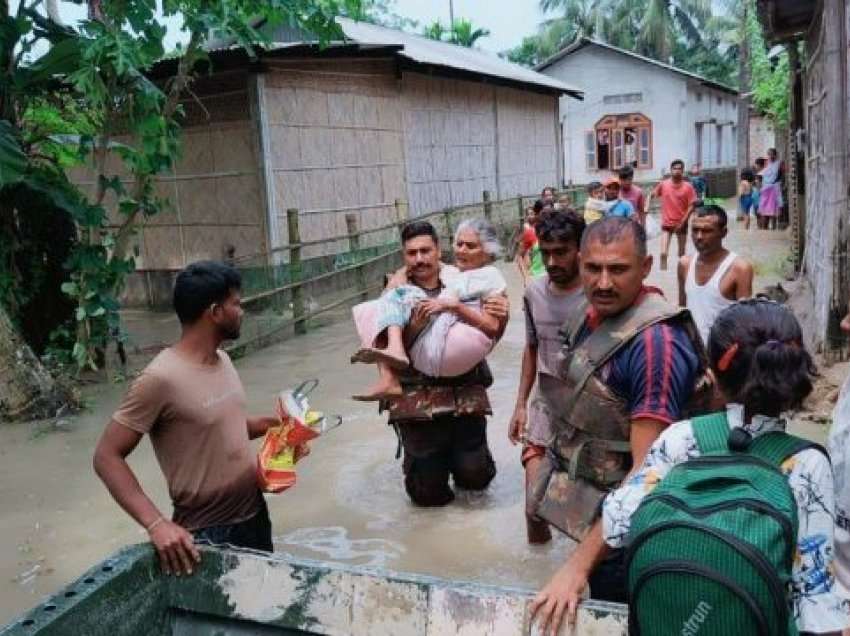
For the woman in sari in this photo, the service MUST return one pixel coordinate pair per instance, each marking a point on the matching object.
(770, 197)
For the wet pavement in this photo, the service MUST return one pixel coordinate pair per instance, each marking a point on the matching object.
(349, 504)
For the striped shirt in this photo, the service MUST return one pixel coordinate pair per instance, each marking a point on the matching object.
(654, 373)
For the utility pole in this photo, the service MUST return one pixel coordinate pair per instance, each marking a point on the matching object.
(452, 20)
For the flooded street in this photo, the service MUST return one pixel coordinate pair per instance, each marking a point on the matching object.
(349, 504)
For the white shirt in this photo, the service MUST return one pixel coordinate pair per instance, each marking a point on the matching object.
(705, 302)
(815, 604)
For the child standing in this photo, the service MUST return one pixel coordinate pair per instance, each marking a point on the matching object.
(745, 197)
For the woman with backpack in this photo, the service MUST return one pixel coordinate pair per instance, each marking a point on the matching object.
(728, 523)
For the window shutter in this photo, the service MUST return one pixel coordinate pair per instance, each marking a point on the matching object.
(590, 149)
(618, 149)
(644, 148)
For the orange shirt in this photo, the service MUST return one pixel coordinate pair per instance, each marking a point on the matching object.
(675, 201)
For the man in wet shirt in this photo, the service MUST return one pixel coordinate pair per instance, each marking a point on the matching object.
(191, 403)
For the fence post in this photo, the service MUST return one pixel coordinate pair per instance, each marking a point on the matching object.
(447, 213)
(401, 211)
(488, 206)
(520, 208)
(354, 248)
(295, 269)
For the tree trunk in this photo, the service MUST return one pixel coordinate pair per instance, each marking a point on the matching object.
(744, 98)
(27, 390)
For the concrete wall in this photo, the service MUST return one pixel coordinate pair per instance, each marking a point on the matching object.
(334, 147)
(718, 113)
(665, 98)
(762, 137)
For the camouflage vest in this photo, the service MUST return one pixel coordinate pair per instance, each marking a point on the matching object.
(591, 454)
(425, 398)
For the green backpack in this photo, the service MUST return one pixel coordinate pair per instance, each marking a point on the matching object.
(711, 548)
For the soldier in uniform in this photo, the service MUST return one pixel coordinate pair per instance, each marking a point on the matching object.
(441, 422)
(630, 365)
(548, 302)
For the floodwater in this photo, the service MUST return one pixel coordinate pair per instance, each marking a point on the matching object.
(349, 504)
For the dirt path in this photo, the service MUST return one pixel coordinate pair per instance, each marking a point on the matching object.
(349, 504)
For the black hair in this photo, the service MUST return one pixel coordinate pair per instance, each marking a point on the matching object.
(626, 172)
(748, 175)
(593, 185)
(613, 228)
(550, 188)
(760, 161)
(767, 367)
(561, 225)
(419, 228)
(677, 162)
(203, 284)
(709, 209)
(538, 206)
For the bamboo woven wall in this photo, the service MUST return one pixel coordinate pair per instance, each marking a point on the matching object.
(527, 140)
(213, 203)
(335, 141)
(449, 141)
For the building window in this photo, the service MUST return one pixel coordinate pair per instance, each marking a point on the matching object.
(719, 155)
(720, 101)
(623, 98)
(620, 140)
(699, 96)
(698, 145)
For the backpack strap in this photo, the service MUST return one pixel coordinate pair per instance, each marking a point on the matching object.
(711, 432)
(777, 446)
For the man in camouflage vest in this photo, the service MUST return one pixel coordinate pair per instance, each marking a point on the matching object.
(441, 422)
(630, 364)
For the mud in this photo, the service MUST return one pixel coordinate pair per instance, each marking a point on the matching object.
(349, 504)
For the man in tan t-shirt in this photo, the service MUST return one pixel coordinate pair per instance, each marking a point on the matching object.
(189, 400)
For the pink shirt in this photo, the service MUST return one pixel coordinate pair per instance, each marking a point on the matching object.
(634, 195)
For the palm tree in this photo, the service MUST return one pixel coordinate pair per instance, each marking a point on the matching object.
(664, 20)
(435, 31)
(465, 34)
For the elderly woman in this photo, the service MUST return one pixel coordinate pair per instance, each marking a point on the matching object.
(458, 337)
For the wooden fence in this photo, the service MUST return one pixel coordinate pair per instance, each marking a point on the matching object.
(285, 293)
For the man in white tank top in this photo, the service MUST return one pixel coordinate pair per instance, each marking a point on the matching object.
(713, 278)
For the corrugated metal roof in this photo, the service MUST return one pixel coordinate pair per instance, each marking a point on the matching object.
(582, 42)
(424, 50)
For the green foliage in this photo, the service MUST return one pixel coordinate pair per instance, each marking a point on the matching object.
(682, 32)
(770, 79)
(88, 101)
(462, 33)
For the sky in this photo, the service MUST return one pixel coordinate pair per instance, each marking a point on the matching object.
(508, 20)
(508, 24)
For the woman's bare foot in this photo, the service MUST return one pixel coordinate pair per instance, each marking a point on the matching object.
(391, 358)
(383, 390)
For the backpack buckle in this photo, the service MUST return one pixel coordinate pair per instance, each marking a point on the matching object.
(739, 440)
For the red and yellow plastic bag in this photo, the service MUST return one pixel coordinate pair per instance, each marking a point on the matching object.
(284, 445)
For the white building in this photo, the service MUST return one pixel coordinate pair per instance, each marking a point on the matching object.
(640, 111)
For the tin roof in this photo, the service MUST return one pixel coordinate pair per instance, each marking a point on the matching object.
(582, 42)
(422, 50)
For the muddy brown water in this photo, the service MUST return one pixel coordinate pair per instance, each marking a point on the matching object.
(349, 504)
